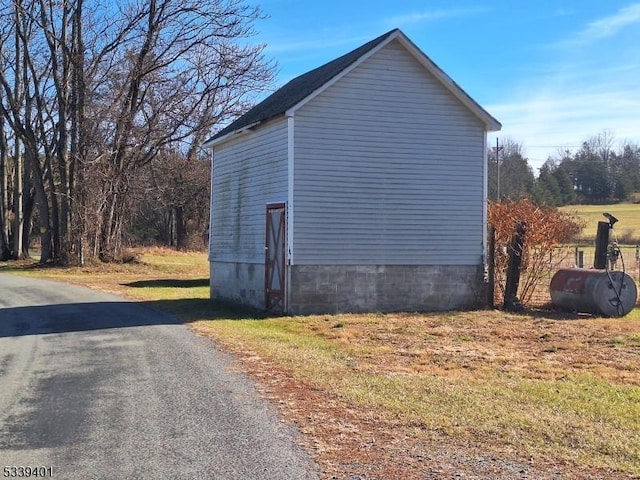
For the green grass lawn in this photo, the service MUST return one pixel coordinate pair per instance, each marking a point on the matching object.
(628, 214)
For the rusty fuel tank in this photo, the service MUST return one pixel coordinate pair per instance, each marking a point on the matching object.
(592, 291)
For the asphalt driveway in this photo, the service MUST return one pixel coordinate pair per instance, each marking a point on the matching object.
(96, 387)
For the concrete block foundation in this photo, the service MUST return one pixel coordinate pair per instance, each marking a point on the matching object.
(384, 288)
(317, 289)
(238, 282)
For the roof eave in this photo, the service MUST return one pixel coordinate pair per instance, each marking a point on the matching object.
(233, 134)
(492, 125)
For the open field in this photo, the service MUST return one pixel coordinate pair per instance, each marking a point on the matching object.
(477, 394)
(628, 214)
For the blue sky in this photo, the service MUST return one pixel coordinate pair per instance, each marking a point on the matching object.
(552, 72)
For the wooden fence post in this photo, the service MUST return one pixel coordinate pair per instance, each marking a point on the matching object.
(511, 302)
(491, 266)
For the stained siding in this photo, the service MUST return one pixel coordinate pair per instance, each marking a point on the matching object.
(388, 170)
(248, 173)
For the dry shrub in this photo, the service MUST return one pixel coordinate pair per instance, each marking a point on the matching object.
(545, 229)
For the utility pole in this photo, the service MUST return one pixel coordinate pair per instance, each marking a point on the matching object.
(497, 149)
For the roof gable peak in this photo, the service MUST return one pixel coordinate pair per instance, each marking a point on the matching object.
(307, 86)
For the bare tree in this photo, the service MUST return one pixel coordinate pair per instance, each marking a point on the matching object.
(16, 107)
(183, 70)
(5, 247)
(170, 201)
(158, 77)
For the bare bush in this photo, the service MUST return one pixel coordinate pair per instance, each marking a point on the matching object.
(545, 229)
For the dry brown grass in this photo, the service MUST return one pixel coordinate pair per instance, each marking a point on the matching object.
(155, 263)
(516, 388)
(480, 344)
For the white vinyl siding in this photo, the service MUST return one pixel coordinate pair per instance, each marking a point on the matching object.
(389, 169)
(248, 173)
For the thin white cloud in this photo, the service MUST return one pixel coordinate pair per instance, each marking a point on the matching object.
(611, 25)
(580, 93)
(321, 43)
(344, 35)
(431, 16)
(562, 118)
(605, 27)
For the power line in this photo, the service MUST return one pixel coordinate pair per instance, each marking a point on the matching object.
(552, 146)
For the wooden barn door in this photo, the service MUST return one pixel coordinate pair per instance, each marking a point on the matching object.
(275, 257)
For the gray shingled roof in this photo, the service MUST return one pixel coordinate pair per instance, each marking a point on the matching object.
(299, 88)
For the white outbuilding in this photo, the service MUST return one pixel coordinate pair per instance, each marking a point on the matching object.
(358, 186)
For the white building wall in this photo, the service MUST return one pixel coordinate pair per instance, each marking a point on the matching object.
(388, 170)
(248, 173)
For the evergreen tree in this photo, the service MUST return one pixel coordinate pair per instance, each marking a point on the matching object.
(546, 189)
(593, 183)
(565, 185)
(516, 175)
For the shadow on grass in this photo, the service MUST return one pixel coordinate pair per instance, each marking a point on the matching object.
(81, 317)
(169, 283)
(551, 312)
(189, 310)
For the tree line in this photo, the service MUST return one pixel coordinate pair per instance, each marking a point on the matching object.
(104, 107)
(597, 172)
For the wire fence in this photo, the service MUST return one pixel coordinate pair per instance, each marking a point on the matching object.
(579, 256)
